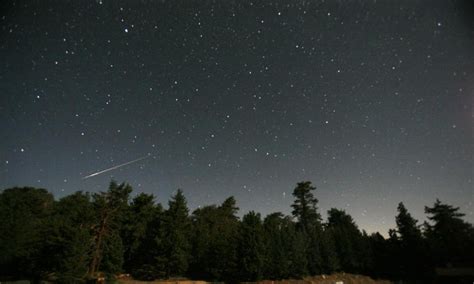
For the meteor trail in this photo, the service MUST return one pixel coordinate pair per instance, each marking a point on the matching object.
(115, 167)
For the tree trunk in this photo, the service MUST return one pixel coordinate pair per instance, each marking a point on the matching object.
(97, 253)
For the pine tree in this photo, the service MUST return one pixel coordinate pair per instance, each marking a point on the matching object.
(305, 210)
(215, 237)
(384, 263)
(407, 228)
(305, 206)
(347, 239)
(251, 250)
(24, 213)
(331, 262)
(451, 239)
(173, 240)
(278, 240)
(314, 250)
(298, 258)
(68, 245)
(410, 244)
(140, 216)
(110, 207)
(203, 220)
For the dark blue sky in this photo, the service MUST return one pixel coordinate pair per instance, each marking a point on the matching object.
(371, 101)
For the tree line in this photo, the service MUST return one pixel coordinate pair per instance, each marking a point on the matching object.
(86, 235)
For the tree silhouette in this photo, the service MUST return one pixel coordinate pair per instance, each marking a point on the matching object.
(215, 241)
(83, 236)
(347, 238)
(411, 247)
(278, 231)
(451, 239)
(251, 249)
(68, 245)
(305, 208)
(24, 212)
(109, 207)
(141, 221)
(174, 240)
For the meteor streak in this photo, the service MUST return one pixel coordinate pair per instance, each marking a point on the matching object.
(115, 167)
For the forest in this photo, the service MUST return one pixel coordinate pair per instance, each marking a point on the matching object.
(86, 235)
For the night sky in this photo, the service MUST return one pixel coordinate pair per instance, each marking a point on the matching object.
(372, 101)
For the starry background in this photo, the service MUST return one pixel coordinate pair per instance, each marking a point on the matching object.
(371, 101)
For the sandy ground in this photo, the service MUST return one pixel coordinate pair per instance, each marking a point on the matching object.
(340, 278)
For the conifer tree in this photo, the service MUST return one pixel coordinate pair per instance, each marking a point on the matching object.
(298, 253)
(251, 248)
(139, 218)
(204, 220)
(68, 245)
(407, 227)
(278, 238)
(451, 239)
(173, 240)
(329, 255)
(215, 241)
(109, 209)
(305, 208)
(410, 252)
(24, 213)
(347, 238)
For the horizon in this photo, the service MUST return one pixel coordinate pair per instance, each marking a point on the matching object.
(240, 213)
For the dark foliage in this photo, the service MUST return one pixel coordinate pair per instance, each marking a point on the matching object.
(84, 236)
(25, 213)
(214, 241)
(450, 239)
